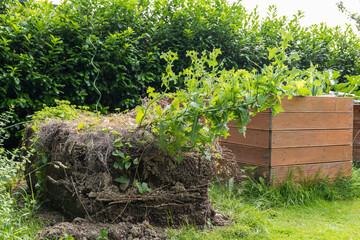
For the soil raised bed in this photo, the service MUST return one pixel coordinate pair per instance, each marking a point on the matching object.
(311, 138)
(79, 178)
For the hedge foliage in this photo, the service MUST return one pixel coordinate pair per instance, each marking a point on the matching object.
(108, 51)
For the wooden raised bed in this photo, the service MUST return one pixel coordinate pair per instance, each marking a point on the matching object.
(356, 132)
(311, 138)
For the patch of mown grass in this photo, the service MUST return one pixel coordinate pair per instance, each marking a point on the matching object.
(317, 210)
(321, 220)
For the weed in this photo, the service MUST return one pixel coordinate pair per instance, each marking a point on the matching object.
(290, 192)
(63, 110)
(103, 234)
(16, 205)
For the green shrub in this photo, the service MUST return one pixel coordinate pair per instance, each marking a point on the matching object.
(104, 54)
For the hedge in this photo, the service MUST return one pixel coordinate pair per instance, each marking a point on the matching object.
(105, 53)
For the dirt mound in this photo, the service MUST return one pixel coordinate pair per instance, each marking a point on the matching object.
(77, 173)
(90, 231)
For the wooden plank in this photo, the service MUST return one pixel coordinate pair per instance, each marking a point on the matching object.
(356, 134)
(356, 108)
(255, 138)
(356, 149)
(249, 155)
(318, 104)
(356, 127)
(356, 124)
(307, 138)
(312, 120)
(260, 121)
(356, 159)
(311, 171)
(304, 155)
(356, 154)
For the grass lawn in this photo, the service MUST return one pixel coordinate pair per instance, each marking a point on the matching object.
(321, 220)
(318, 219)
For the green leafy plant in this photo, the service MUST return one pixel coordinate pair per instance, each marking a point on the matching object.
(123, 161)
(103, 235)
(142, 187)
(16, 204)
(197, 114)
(12, 161)
(67, 237)
(63, 110)
(350, 88)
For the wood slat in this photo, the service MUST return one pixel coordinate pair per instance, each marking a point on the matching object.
(356, 155)
(249, 155)
(318, 104)
(356, 149)
(312, 120)
(260, 121)
(254, 137)
(291, 156)
(356, 123)
(356, 158)
(307, 138)
(356, 134)
(311, 171)
(356, 116)
(356, 108)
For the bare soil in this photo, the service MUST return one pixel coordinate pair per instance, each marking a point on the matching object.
(85, 230)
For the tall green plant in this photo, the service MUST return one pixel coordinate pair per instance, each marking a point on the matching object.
(16, 205)
(198, 113)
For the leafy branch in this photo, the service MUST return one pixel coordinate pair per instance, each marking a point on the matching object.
(198, 114)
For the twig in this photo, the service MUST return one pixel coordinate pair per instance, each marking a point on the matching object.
(53, 181)
(161, 205)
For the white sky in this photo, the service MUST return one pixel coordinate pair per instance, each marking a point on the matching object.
(316, 11)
